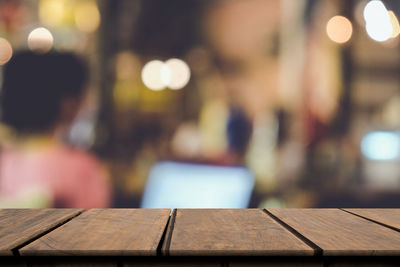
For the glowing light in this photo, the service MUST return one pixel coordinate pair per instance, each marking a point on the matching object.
(272, 202)
(5, 51)
(180, 73)
(40, 40)
(127, 65)
(52, 12)
(378, 25)
(156, 75)
(87, 16)
(165, 74)
(339, 29)
(395, 24)
(174, 74)
(381, 145)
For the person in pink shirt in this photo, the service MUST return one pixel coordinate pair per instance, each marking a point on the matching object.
(40, 96)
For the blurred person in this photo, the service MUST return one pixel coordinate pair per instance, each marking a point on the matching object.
(239, 129)
(41, 95)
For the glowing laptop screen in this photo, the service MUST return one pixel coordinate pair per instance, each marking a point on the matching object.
(185, 185)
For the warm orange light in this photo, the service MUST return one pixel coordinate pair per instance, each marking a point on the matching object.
(5, 51)
(395, 24)
(339, 29)
(87, 16)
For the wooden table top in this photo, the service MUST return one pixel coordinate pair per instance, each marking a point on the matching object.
(200, 232)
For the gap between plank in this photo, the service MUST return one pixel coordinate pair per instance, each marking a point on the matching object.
(165, 245)
(15, 250)
(161, 243)
(317, 249)
(371, 220)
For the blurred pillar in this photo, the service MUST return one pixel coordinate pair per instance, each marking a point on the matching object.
(115, 33)
(292, 51)
(107, 43)
(341, 123)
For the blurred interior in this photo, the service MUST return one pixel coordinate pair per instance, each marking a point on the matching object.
(305, 94)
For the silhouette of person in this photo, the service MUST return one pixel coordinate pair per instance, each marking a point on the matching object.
(41, 95)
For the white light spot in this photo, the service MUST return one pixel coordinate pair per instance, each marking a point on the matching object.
(155, 75)
(165, 73)
(180, 73)
(378, 24)
(40, 40)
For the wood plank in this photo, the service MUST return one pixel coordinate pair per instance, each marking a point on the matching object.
(232, 232)
(339, 233)
(389, 217)
(105, 232)
(18, 226)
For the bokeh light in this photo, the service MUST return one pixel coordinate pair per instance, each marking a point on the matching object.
(381, 145)
(127, 65)
(272, 203)
(180, 73)
(53, 12)
(5, 51)
(339, 29)
(156, 75)
(40, 40)
(395, 24)
(87, 16)
(378, 25)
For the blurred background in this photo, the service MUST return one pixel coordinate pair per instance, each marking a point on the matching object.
(304, 94)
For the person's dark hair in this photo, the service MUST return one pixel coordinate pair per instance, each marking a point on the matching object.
(34, 86)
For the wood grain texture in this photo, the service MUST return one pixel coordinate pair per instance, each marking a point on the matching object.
(105, 232)
(227, 232)
(339, 233)
(390, 217)
(18, 226)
